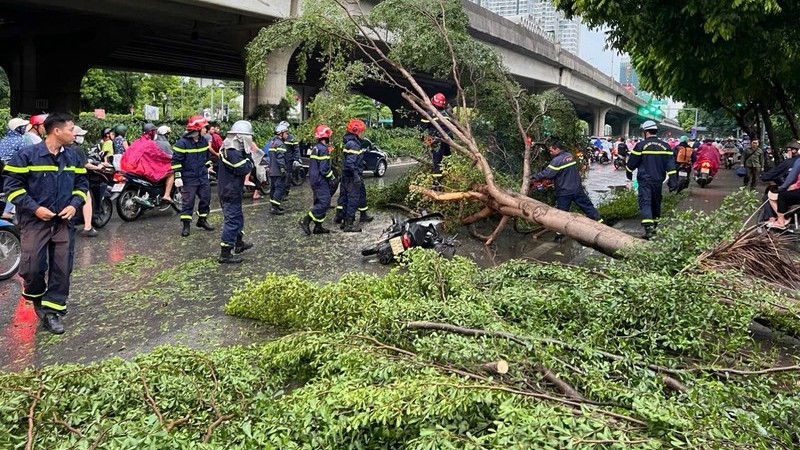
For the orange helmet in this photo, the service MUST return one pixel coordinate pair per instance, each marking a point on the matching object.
(196, 123)
(322, 132)
(355, 126)
(438, 100)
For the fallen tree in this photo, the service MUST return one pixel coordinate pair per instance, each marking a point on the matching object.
(396, 39)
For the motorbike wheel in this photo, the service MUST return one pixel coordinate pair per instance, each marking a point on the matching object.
(604, 159)
(101, 217)
(177, 200)
(299, 176)
(369, 250)
(10, 252)
(385, 255)
(127, 209)
(619, 164)
(263, 188)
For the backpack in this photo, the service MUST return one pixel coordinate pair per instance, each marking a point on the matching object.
(684, 155)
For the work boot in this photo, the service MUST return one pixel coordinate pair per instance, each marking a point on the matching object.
(225, 256)
(52, 323)
(241, 245)
(187, 224)
(319, 229)
(305, 224)
(203, 223)
(649, 232)
(366, 218)
(339, 217)
(277, 210)
(350, 226)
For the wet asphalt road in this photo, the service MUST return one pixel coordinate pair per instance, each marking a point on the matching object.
(139, 284)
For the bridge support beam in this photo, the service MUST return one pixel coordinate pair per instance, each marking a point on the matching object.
(599, 120)
(622, 127)
(272, 89)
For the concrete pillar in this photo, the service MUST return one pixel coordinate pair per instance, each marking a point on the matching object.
(307, 94)
(625, 129)
(599, 120)
(271, 90)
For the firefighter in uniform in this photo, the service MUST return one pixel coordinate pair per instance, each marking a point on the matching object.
(352, 176)
(655, 161)
(292, 155)
(323, 181)
(278, 168)
(234, 164)
(47, 184)
(190, 161)
(433, 139)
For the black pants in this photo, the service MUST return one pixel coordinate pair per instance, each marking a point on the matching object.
(232, 220)
(277, 189)
(650, 203)
(580, 198)
(203, 191)
(45, 264)
(788, 199)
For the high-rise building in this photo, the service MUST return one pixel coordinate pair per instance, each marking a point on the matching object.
(627, 74)
(541, 17)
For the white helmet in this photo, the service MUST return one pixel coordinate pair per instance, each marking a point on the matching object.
(282, 127)
(243, 127)
(649, 126)
(163, 130)
(15, 123)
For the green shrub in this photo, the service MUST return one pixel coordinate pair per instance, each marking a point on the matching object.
(397, 142)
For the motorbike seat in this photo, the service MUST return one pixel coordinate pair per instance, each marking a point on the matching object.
(140, 179)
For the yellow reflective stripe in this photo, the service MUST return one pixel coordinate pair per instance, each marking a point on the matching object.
(319, 157)
(291, 142)
(672, 172)
(186, 217)
(633, 152)
(202, 215)
(426, 121)
(628, 169)
(16, 194)
(277, 149)
(329, 175)
(242, 162)
(437, 175)
(25, 294)
(648, 221)
(79, 194)
(654, 152)
(190, 150)
(76, 169)
(52, 305)
(176, 166)
(315, 219)
(16, 169)
(46, 168)
(363, 209)
(354, 152)
(562, 167)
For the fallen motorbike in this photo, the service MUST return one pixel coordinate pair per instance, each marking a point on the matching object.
(684, 170)
(10, 247)
(403, 234)
(703, 176)
(135, 194)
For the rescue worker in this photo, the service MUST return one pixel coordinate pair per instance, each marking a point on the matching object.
(190, 161)
(352, 176)
(433, 139)
(654, 160)
(323, 181)
(234, 164)
(292, 155)
(563, 170)
(278, 168)
(47, 184)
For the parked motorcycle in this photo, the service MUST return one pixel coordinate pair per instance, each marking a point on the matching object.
(703, 176)
(10, 246)
(729, 159)
(619, 162)
(684, 170)
(299, 173)
(403, 234)
(135, 194)
(100, 181)
(599, 155)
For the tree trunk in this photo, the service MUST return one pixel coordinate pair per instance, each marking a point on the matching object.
(788, 112)
(592, 234)
(765, 116)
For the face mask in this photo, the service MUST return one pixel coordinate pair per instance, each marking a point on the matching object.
(79, 139)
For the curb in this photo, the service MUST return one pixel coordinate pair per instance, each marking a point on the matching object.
(402, 161)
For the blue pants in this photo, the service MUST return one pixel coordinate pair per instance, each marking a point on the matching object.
(232, 221)
(361, 200)
(277, 189)
(352, 192)
(580, 198)
(650, 203)
(46, 264)
(322, 200)
(203, 191)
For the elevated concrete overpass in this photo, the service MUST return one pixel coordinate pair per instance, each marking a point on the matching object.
(46, 46)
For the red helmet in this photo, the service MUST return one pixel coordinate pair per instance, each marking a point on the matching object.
(355, 126)
(38, 120)
(196, 123)
(438, 100)
(322, 132)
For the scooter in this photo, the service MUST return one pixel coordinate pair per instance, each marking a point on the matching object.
(403, 234)
(684, 171)
(619, 162)
(135, 194)
(100, 181)
(10, 246)
(703, 176)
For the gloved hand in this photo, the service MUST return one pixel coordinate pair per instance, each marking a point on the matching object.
(283, 171)
(178, 180)
(333, 182)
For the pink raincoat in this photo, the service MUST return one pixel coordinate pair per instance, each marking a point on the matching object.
(145, 158)
(707, 152)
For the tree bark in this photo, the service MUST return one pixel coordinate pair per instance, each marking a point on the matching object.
(497, 367)
(602, 238)
(765, 116)
(788, 112)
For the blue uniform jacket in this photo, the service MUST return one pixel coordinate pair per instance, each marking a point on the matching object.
(190, 158)
(352, 156)
(35, 177)
(277, 156)
(427, 127)
(655, 161)
(563, 170)
(320, 165)
(235, 164)
(292, 149)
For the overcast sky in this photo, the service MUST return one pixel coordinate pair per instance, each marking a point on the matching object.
(592, 50)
